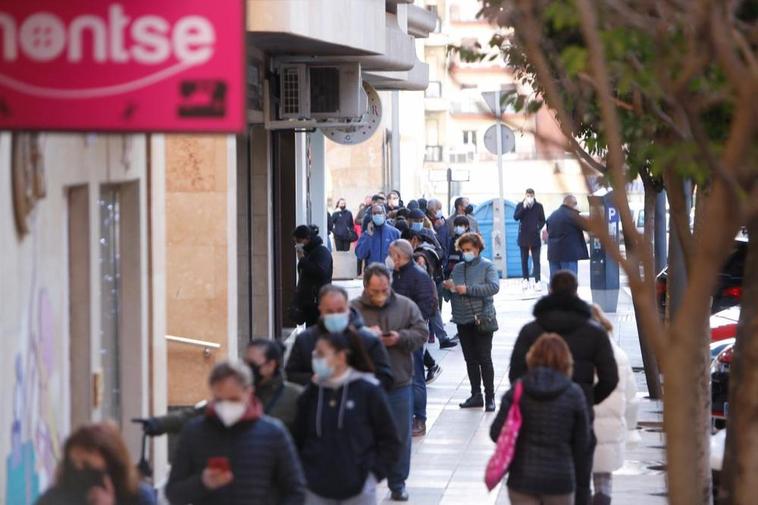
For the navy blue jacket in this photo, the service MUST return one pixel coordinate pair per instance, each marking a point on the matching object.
(531, 220)
(343, 224)
(554, 434)
(565, 236)
(344, 433)
(412, 281)
(300, 370)
(261, 453)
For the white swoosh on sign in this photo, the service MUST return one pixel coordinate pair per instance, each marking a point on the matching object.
(79, 94)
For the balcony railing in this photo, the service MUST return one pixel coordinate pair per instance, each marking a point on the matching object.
(434, 90)
(433, 154)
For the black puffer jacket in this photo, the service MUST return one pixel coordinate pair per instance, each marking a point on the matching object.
(300, 370)
(554, 433)
(571, 318)
(314, 270)
(412, 281)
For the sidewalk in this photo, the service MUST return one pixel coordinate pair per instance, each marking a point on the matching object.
(447, 465)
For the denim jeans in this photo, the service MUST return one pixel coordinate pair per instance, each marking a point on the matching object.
(401, 405)
(419, 385)
(556, 266)
(437, 327)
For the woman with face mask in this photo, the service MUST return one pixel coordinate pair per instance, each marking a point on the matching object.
(460, 227)
(344, 227)
(344, 429)
(96, 470)
(472, 284)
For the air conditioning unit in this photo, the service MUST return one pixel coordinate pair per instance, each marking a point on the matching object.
(320, 91)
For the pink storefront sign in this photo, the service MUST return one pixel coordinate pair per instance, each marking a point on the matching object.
(134, 65)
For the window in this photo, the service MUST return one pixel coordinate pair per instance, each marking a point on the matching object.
(469, 137)
(434, 90)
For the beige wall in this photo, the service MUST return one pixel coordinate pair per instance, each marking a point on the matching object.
(354, 171)
(197, 259)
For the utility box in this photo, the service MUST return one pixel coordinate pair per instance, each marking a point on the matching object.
(604, 272)
(345, 265)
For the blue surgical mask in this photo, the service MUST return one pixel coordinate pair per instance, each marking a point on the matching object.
(378, 219)
(439, 214)
(417, 226)
(321, 368)
(336, 323)
(460, 230)
(469, 256)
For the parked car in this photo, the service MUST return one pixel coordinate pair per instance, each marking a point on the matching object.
(723, 333)
(729, 287)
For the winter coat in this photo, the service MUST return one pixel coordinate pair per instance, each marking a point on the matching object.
(412, 281)
(345, 430)
(570, 317)
(554, 434)
(261, 453)
(482, 283)
(343, 224)
(314, 270)
(531, 220)
(443, 237)
(565, 238)
(398, 314)
(279, 399)
(300, 370)
(615, 417)
(57, 496)
(375, 248)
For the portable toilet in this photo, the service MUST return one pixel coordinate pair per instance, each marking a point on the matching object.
(483, 215)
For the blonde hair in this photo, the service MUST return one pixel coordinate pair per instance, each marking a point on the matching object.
(599, 316)
(551, 351)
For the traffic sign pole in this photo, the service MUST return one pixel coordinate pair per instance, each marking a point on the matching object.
(498, 212)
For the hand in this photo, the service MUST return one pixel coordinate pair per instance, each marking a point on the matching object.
(448, 284)
(102, 495)
(391, 340)
(461, 290)
(370, 228)
(376, 330)
(214, 478)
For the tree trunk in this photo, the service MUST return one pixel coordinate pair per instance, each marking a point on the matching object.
(649, 361)
(739, 485)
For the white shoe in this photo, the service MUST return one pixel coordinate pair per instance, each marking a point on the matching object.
(538, 287)
(524, 285)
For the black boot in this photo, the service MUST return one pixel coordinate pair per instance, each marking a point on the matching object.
(489, 404)
(474, 402)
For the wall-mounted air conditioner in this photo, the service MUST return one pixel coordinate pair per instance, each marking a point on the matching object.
(320, 91)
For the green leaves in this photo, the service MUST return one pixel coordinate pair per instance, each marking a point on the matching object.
(574, 59)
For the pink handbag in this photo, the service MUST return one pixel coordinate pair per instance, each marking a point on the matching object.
(506, 442)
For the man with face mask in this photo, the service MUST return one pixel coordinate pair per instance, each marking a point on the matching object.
(336, 317)
(402, 328)
(531, 218)
(344, 228)
(373, 246)
(278, 397)
(234, 454)
(565, 243)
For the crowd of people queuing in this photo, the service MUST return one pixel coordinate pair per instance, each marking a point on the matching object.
(337, 417)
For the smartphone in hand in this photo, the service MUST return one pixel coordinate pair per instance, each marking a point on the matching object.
(219, 463)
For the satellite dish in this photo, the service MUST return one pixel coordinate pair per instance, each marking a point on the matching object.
(351, 135)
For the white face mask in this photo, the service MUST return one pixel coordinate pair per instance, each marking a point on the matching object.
(230, 412)
(389, 263)
(529, 200)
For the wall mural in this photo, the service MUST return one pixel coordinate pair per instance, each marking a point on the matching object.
(35, 443)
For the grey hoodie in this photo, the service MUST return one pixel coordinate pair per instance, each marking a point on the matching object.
(398, 314)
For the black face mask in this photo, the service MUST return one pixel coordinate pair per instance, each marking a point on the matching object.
(342, 207)
(469, 209)
(77, 483)
(256, 371)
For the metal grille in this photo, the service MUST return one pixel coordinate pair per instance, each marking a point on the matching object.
(290, 91)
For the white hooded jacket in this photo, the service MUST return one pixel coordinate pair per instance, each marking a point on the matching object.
(616, 417)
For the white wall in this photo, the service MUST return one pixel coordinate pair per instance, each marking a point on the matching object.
(34, 308)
